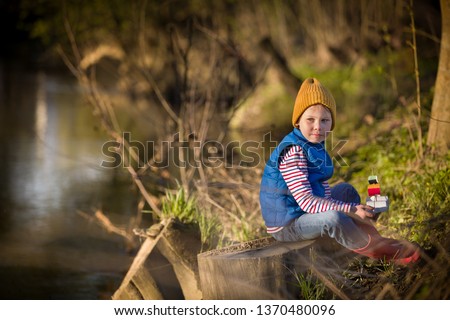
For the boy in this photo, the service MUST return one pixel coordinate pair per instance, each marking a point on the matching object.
(296, 200)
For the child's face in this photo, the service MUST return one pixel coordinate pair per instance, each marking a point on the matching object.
(315, 122)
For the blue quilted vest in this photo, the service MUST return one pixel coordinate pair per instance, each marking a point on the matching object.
(278, 206)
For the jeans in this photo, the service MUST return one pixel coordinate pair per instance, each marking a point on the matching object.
(334, 224)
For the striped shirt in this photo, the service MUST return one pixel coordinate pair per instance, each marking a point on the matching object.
(294, 169)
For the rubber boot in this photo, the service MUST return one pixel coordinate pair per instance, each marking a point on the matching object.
(403, 252)
(399, 252)
(370, 230)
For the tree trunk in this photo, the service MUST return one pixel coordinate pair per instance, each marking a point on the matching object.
(259, 269)
(180, 247)
(439, 130)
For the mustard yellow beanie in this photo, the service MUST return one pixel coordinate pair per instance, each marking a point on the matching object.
(313, 92)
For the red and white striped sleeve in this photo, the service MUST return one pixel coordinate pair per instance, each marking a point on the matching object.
(294, 169)
(326, 185)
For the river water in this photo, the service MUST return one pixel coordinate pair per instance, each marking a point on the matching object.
(49, 169)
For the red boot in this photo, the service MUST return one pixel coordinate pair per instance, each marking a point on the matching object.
(399, 252)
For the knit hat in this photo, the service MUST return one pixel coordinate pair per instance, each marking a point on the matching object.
(313, 92)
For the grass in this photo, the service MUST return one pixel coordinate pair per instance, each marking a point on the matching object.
(310, 287)
(364, 278)
(185, 209)
(418, 188)
(419, 194)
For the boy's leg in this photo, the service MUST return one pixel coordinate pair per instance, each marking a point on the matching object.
(333, 224)
(378, 246)
(345, 192)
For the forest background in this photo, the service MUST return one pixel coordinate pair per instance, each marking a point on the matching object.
(193, 94)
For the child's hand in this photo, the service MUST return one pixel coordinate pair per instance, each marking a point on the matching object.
(364, 212)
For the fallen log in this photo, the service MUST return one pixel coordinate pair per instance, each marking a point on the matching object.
(178, 246)
(137, 276)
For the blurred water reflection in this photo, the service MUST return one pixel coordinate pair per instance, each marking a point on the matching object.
(49, 168)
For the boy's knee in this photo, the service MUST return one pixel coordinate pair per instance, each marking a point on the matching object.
(345, 192)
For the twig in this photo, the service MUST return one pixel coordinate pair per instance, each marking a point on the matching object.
(167, 107)
(387, 288)
(330, 285)
(416, 74)
(208, 199)
(106, 223)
